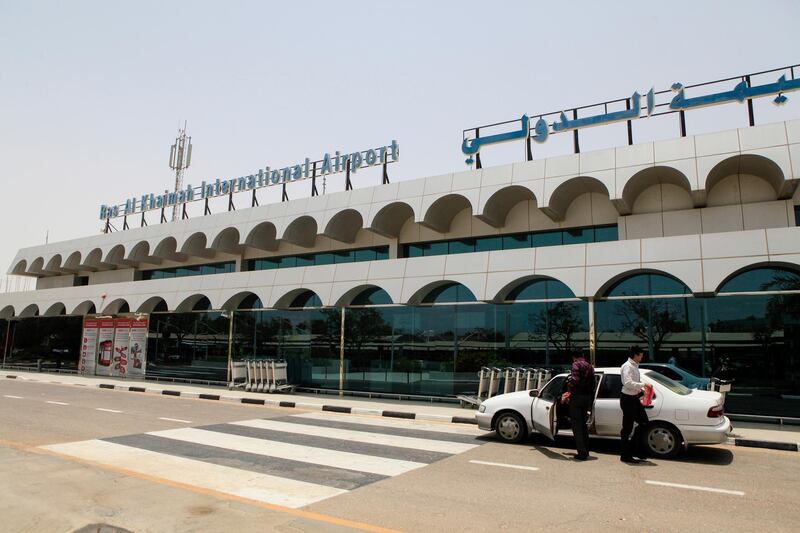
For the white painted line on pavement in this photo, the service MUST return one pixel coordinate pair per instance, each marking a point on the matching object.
(504, 465)
(174, 420)
(106, 410)
(695, 487)
(56, 403)
(10, 396)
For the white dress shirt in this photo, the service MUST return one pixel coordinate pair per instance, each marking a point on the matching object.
(631, 379)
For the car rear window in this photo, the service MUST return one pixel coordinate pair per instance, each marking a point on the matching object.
(672, 385)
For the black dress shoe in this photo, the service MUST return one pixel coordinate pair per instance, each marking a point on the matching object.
(582, 457)
(630, 460)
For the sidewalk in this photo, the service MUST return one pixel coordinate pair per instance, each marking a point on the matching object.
(750, 434)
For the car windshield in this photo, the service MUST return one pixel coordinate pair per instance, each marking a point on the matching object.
(674, 386)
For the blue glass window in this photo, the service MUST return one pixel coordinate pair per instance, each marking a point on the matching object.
(578, 235)
(488, 244)
(461, 246)
(606, 233)
(365, 255)
(647, 284)
(511, 242)
(547, 238)
(382, 252)
(437, 248)
(762, 279)
(449, 293)
(342, 257)
(324, 259)
(305, 260)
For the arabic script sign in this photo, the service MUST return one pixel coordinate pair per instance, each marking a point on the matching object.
(541, 129)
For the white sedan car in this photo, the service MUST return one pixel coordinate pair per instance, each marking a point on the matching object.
(679, 416)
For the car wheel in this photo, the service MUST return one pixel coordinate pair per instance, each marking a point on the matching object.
(662, 440)
(510, 427)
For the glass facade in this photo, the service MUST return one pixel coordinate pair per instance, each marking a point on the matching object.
(748, 332)
(53, 342)
(194, 270)
(190, 345)
(376, 253)
(509, 242)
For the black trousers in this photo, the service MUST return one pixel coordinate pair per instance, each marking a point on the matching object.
(632, 411)
(578, 405)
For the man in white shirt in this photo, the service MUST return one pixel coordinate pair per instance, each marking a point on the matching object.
(632, 409)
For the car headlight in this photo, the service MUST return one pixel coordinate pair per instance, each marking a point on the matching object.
(482, 408)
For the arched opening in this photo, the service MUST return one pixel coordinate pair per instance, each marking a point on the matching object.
(243, 300)
(73, 262)
(56, 309)
(227, 241)
(120, 305)
(116, 256)
(568, 192)
(7, 311)
(441, 213)
(344, 226)
(305, 299)
(155, 304)
(761, 279)
(390, 219)
(168, 249)
(538, 288)
(196, 302)
(263, 237)
(644, 283)
(36, 266)
(499, 205)
(372, 296)
(93, 259)
(29, 311)
(20, 267)
(85, 308)
(656, 189)
(140, 252)
(196, 245)
(746, 178)
(54, 264)
(301, 231)
(450, 292)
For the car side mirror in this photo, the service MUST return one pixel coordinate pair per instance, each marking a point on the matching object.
(534, 393)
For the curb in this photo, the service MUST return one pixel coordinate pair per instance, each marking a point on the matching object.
(766, 444)
(274, 403)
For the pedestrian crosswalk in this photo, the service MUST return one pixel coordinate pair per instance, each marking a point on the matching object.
(291, 461)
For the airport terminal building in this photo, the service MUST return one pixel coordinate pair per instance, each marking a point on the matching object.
(689, 247)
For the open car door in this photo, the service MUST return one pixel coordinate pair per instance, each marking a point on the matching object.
(543, 408)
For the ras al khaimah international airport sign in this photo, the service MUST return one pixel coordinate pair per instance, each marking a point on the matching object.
(334, 163)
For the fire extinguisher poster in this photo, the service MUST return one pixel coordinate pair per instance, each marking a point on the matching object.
(88, 346)
(137, 361)
(105, 347)
(121, 356)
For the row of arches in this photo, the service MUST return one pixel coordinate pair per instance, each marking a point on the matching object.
(492, 205)
(640, 283)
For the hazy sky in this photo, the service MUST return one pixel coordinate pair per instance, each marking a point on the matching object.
(92, 93)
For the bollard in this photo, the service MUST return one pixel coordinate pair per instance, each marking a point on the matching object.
(530, 381)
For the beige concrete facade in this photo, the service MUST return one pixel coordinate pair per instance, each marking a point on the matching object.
(699, 208)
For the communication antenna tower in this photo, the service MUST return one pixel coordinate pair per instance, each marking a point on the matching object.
(180, 157)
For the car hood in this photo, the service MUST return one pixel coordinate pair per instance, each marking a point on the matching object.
(506, 398)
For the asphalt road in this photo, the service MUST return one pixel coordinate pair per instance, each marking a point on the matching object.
(178, 464)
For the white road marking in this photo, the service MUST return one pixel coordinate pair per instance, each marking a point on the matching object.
(295, 452)
(106, 410)
(504, 465)
(10, 396)
(253, 485)
(695, 487)
(413, 443)
(56, 403)
(174, 420)
(383, 421)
